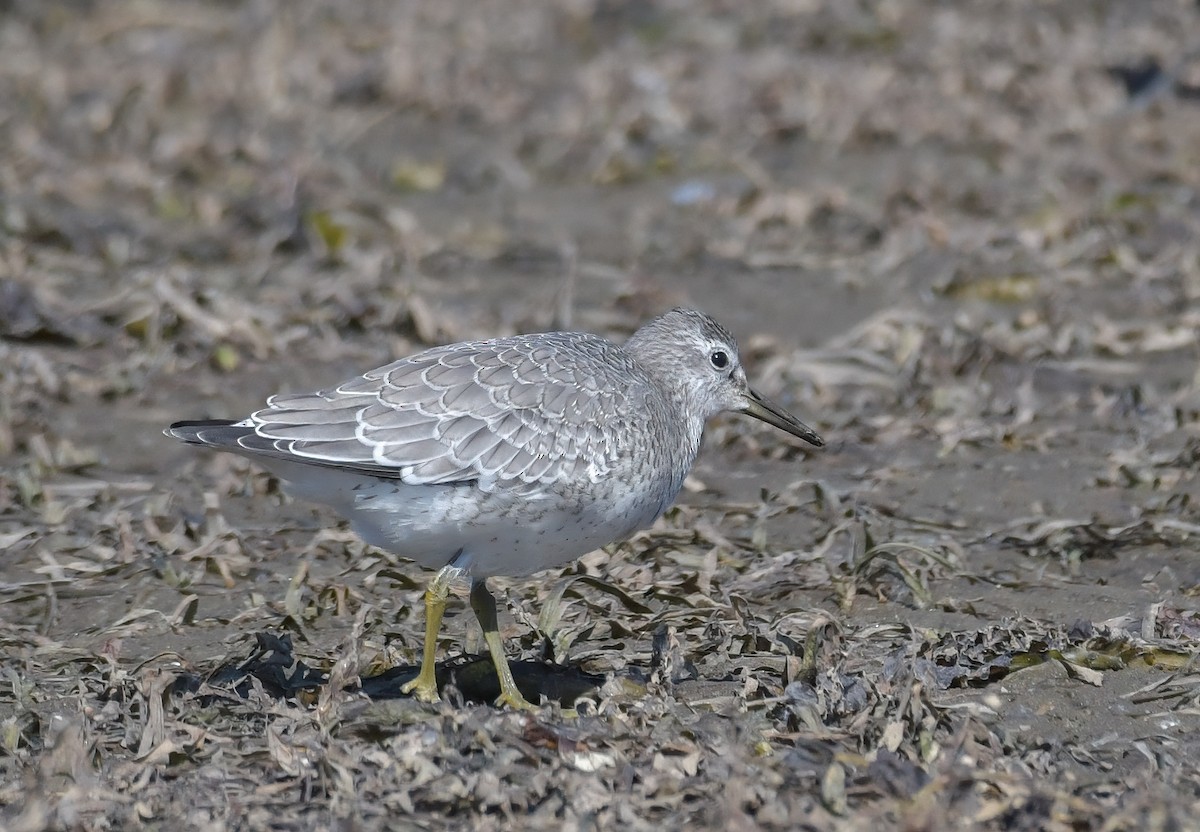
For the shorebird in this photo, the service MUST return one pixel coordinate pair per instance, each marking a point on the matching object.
(506, 456)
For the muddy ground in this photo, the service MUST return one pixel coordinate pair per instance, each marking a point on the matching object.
(960, 239)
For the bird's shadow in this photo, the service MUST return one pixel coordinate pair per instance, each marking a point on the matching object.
(281, 674)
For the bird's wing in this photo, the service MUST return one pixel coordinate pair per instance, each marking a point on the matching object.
(534, 409)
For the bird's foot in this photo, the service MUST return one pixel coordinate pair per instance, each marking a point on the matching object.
(515, 700)
(423, 688)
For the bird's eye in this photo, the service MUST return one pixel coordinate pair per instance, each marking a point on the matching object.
(719, 359)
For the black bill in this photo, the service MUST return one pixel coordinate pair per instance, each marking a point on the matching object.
(773, 414)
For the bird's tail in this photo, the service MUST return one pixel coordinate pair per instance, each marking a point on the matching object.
(212, 433)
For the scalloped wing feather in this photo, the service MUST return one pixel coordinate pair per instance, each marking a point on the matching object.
(528, 408)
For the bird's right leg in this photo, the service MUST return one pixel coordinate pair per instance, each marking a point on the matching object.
(484, 604)
(424, 687)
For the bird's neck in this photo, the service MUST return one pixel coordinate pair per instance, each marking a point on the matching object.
(656, 360)
(688, 431)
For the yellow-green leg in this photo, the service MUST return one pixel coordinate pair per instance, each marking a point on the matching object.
(485, 610)
(424, 687)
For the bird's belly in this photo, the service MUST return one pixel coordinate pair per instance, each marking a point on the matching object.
(501, 532)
